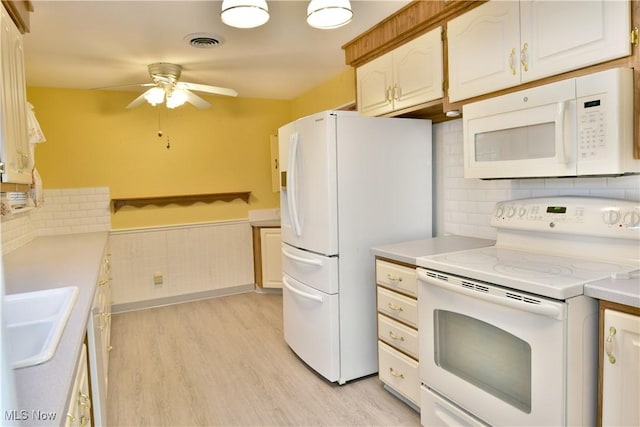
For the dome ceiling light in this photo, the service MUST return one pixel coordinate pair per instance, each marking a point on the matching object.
(244, 13)
(329, 14)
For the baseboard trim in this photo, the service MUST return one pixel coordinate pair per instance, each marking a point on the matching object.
(179, 299)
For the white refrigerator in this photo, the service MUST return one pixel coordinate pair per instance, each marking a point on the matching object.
(348, 182)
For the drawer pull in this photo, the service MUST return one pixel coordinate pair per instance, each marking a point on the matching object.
(396, 374)
(394, 278)
(394, 307)
(396, 337)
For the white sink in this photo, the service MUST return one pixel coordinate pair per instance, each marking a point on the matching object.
(35, 322)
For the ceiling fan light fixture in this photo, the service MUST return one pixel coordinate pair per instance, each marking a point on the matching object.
(329, 14)
(244, 13)
(176, 98)
(154, 96)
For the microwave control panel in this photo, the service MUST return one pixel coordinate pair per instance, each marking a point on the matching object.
(592, 127)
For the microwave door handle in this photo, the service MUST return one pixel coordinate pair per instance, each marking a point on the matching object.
(561, 154)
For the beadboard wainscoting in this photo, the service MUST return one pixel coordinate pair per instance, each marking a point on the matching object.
(192, 261)
(464, 206)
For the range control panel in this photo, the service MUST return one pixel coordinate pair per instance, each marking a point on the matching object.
(587, 216)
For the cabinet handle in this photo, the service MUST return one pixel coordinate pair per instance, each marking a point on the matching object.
(524, 56)
(396, 374)
(512, 61)
(388, 96)
(395, 307)
(106, 315)
(396, 337)
(110, 348)
(609, 345)
(394, 278)
(84, 421)
(396, 92)
(103, 282)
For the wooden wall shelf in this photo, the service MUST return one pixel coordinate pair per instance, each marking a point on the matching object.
(180, 200)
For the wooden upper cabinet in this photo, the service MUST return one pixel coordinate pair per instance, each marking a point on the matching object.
(19, 12)
(503, 44)
(409, 75)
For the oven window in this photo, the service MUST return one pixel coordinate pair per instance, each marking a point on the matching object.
(485, 356)
(520, 143)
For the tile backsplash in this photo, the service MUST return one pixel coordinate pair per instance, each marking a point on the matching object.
(463, 206)
(65, 211)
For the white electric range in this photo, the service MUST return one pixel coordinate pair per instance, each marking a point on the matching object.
(511, 338)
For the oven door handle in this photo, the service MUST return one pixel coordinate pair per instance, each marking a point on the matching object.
(544, 310)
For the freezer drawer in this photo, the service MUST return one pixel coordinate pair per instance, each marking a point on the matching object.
(311, 326)
(399, 372)
(317, 271)
(398, 307)
(437, 411)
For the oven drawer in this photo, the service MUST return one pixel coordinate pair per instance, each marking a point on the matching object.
(398, 335)
(396, 277)
(397, 306)
(399, 372)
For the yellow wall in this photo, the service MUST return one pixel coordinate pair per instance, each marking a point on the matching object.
(335, 92)
(93, 141)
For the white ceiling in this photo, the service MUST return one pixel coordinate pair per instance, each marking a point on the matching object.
(96, 44)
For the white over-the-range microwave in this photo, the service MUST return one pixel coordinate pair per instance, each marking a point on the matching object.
(581, 126)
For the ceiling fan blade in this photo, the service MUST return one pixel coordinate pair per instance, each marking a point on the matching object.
(206, 88)
(195, 100)
(139, 100)
(125, 86)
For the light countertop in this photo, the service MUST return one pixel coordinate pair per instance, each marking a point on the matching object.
(622, 291)
(51, 262)
(408, 252)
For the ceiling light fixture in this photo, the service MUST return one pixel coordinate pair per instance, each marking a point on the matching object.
(154, 96)
(244, 13)
(329, 14)
(176, 98)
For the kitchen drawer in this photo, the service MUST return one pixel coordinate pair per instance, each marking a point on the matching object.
(399, 372)
(396, 277)
(398, 335)
(398, 306)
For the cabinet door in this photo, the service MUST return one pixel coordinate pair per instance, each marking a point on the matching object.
(483, 46)
(15, 144)
(621, 369)
(558, 36)
(374, 86)
(417, 70)
(271, 244)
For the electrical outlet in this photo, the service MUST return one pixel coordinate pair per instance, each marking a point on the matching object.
(157, 279)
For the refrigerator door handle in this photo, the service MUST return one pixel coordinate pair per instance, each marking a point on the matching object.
(301, 259)
(300, 293)
(291, 180)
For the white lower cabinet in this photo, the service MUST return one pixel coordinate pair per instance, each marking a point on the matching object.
(79, 412)
(99, 340)
(620, 372)
(397, 295)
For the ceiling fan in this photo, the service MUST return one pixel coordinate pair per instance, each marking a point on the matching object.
(166, 87)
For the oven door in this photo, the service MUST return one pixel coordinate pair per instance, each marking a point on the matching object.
(495, 353)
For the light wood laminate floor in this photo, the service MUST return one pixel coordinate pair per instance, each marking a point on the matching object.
(224, 362)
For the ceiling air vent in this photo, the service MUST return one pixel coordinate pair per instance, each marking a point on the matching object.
(203, 41)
